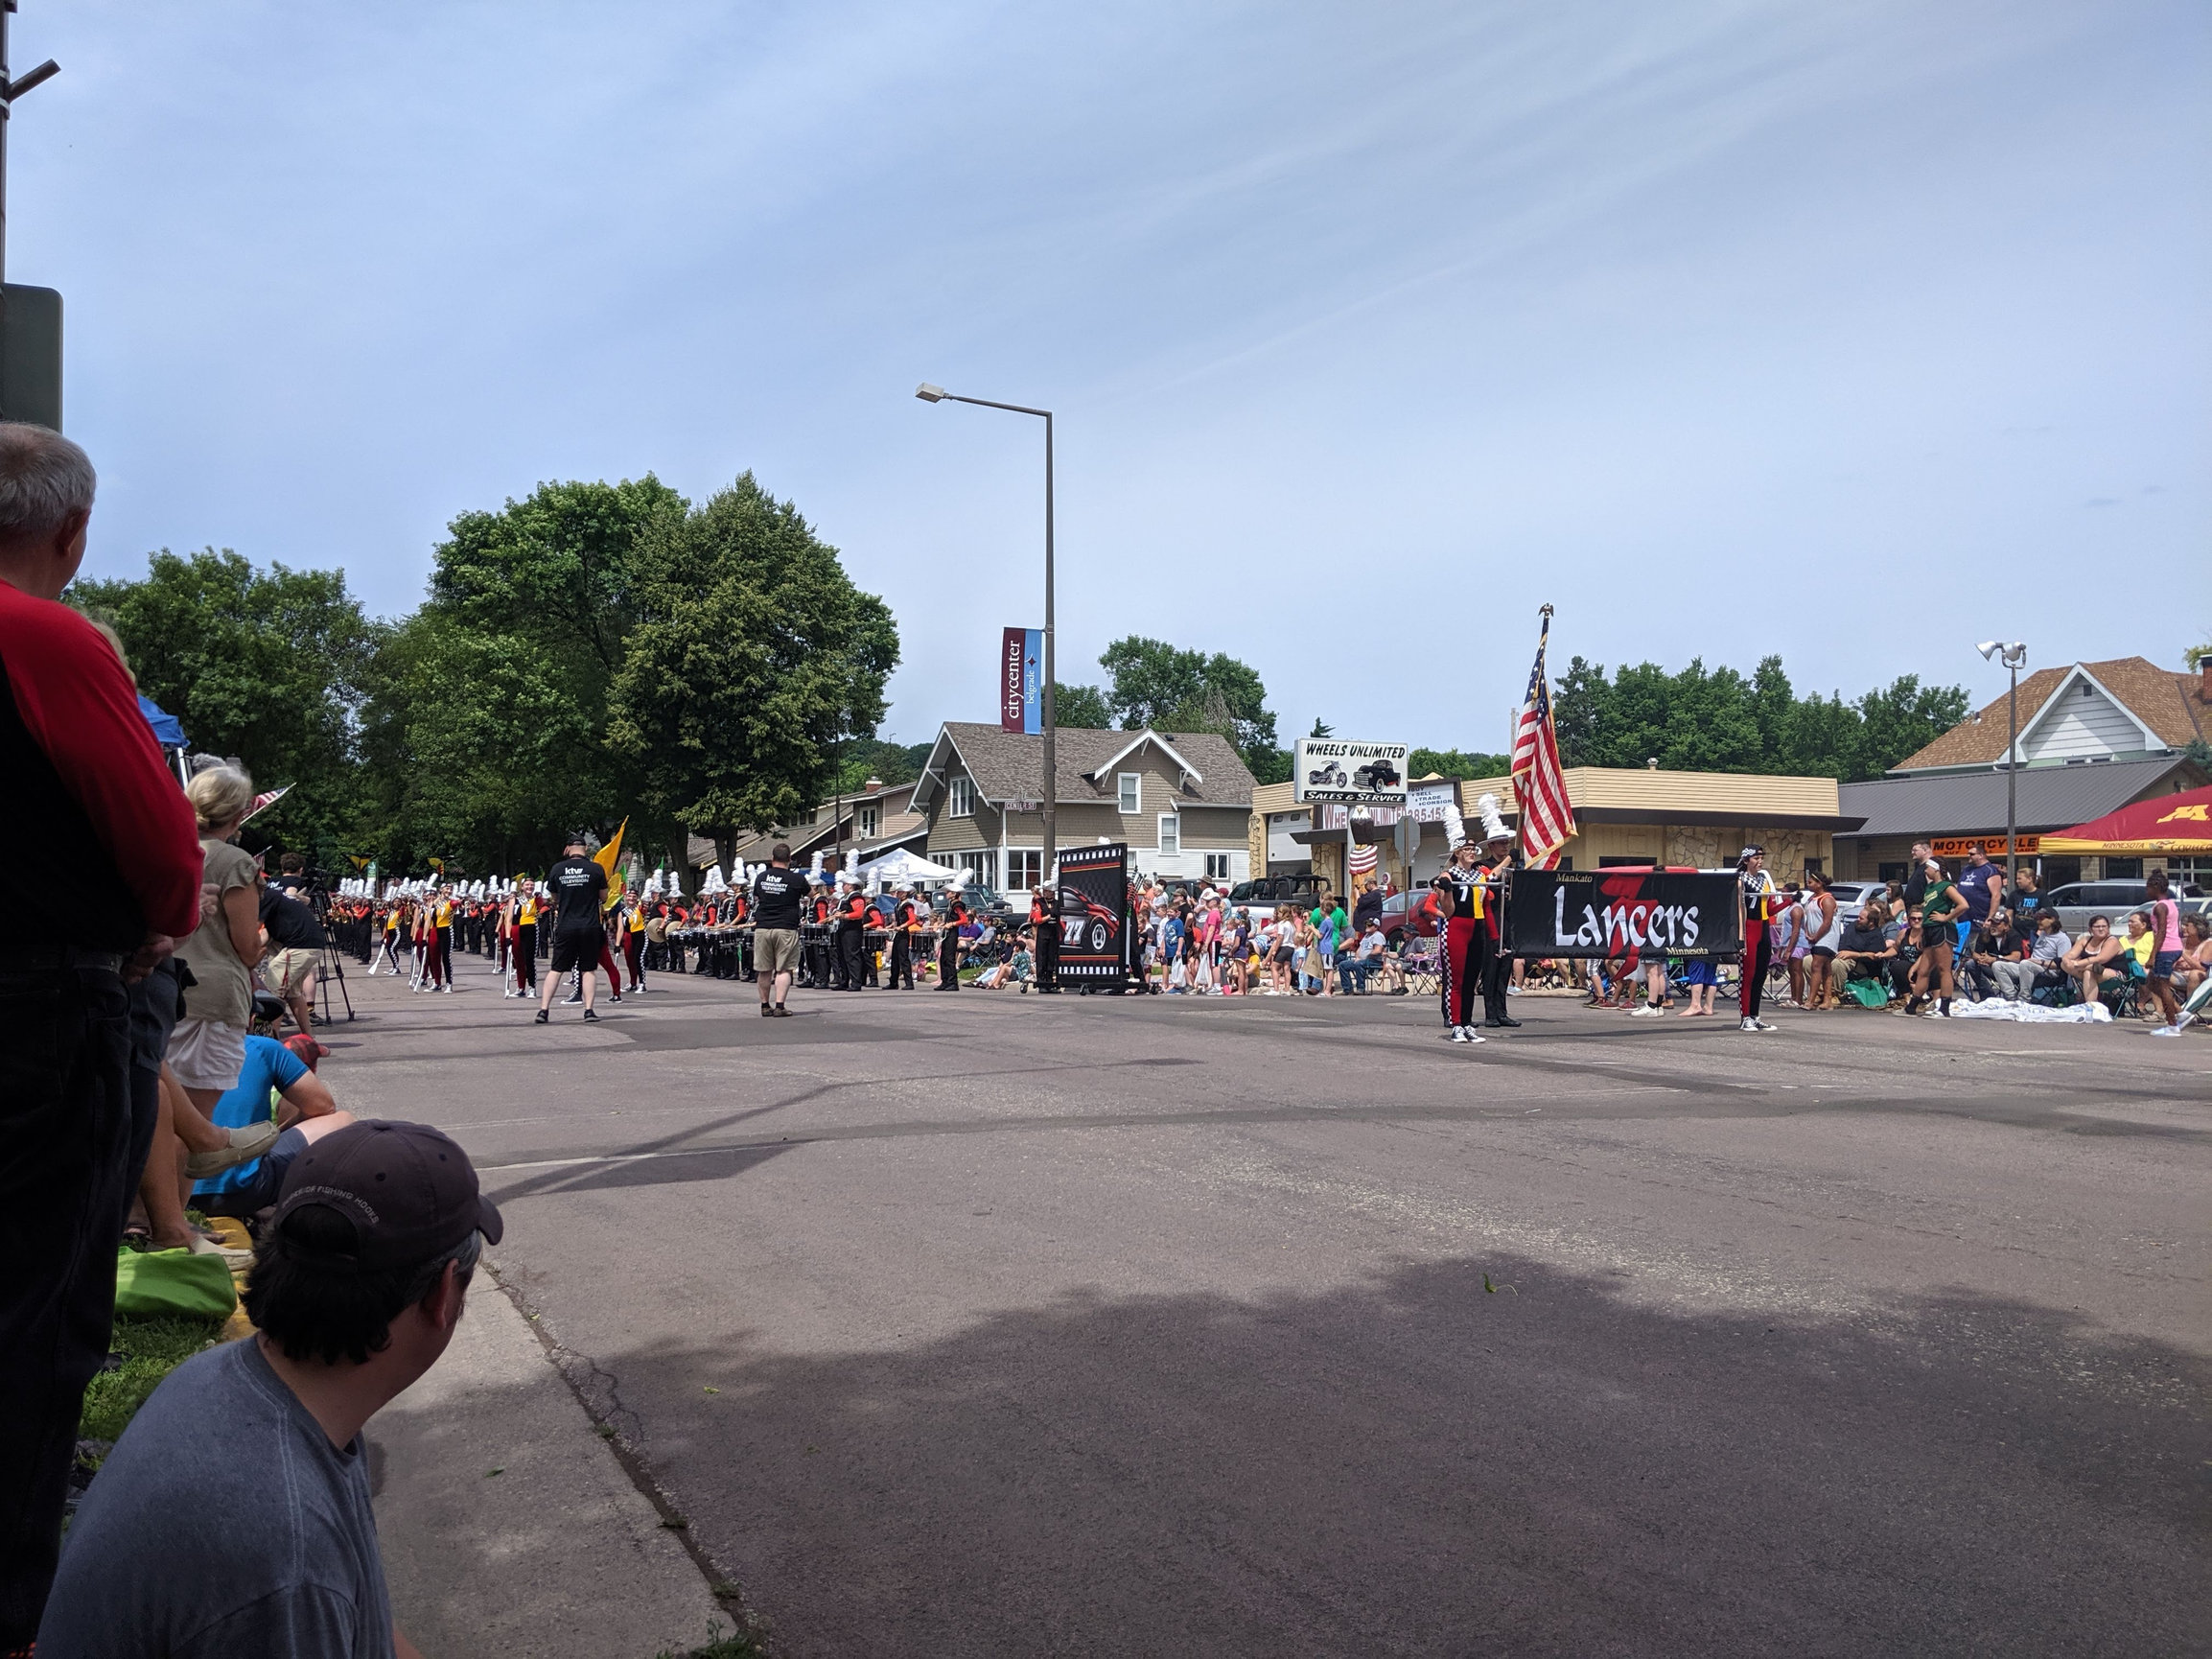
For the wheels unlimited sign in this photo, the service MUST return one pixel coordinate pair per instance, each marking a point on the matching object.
(1347, 773)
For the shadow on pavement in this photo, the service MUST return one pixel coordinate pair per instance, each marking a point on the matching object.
(1418, 1464)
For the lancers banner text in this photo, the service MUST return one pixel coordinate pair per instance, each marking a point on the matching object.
(1617, 912)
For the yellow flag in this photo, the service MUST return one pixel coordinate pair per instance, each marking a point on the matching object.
(605, 858)
(439, 865)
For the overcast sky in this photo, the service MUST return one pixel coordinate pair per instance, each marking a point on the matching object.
(1851, 332)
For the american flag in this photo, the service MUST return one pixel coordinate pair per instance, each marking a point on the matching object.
(1539, 783)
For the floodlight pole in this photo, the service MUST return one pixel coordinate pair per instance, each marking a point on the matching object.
(10, 91)
(938, 394)
(2012, 660)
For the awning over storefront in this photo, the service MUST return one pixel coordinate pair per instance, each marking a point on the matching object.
(2180, 823)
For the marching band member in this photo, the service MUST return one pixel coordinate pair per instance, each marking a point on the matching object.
(1461, 935)
(1760, 901)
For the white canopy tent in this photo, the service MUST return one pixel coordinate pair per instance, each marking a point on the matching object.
(905, 867)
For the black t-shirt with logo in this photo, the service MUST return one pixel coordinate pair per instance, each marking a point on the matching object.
(577, 885)
(779, 892)
(290, 921)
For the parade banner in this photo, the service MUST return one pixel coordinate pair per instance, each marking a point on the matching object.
(1351, 774)
(1021, 681)
(1094, 919)
(1610, 913)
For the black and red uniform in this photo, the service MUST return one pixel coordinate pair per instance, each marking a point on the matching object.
(851, 939)
(1759, 900)
(1044, 936)
(902, 925)
(948, 947)
(1465, 942)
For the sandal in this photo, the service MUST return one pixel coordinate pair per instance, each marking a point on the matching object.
(246, 1145)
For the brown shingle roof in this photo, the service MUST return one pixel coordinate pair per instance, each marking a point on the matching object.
(1009, 765)
(2168, 702)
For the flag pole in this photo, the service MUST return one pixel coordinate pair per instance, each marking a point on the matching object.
(1542, 667)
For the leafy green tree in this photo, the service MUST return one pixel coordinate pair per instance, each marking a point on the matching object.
(1081, 705)
(1171, 690)
(479, 754)
(755, 658)
(490, 723)
(1718, 721)
(1454, 764)
(269, 666)
(865, 757)
(1904, 718)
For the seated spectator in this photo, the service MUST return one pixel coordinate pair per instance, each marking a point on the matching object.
(1905, 940)
(2020, 979)
(2095, 960)
(1862, 953)
(1356, 962)
(277, 1084)
(1993, 944)
(358, 1284)
(2195, 956)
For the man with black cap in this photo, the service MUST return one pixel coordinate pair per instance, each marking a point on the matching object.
(358, 1283)
(579, 937)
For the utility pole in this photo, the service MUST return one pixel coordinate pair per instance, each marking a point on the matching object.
(29, 388)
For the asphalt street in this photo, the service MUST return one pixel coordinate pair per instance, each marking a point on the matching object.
(979, 1323)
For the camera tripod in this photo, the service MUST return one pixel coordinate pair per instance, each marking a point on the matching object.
(330, 970)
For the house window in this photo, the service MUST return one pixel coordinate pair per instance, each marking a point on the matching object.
(1023, 870)
(1131, 786)
(1216, 867)
(976, 868)
(867, 820)
(962, 804)
(1171, 834)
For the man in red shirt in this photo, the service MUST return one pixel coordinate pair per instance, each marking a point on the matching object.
(85, 771)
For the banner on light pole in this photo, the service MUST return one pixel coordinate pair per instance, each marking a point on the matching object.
(1021, 681)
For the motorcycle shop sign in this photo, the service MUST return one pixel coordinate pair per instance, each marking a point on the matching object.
(1348, 774)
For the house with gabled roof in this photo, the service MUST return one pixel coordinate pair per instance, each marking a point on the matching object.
(2083, 714)
(1182, 801)
(2093, 737)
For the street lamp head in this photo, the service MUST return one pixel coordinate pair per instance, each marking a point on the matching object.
(1988, 649)
(928, 393)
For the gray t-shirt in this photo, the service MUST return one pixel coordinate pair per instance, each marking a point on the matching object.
(224, 1523)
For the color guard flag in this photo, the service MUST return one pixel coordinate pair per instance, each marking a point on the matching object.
(1539, 781)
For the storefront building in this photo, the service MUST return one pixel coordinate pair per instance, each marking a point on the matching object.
(1699, 820)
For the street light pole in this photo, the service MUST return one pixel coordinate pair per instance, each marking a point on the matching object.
(2014, 656)
(938, 394)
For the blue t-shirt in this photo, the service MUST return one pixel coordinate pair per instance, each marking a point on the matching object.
(1973, 887)
(268, 1065)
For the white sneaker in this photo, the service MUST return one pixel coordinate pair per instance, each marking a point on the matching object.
(1649, 1011)
(2167, 1031)
(1472, 1034)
